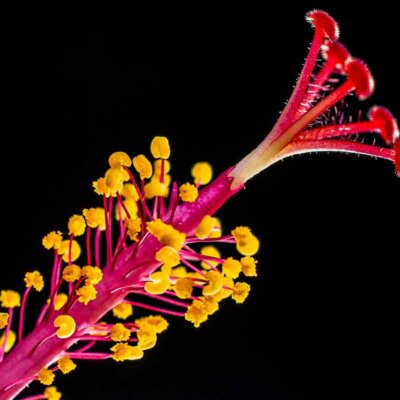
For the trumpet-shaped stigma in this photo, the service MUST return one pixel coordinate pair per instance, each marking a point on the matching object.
(153, 245)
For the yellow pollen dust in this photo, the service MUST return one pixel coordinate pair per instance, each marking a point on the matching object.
(46, 376)
(10, 299)
(130, 206)
(196, 313)
(65, 325)
(3, 320)
(11, 339)
(92, 274)
(129, 192)
(86, 293)
(123, 352)
(249, 266)
(34, 279)
(101, 188)
(65, 364)
(159, 147)
(95, 218)
(51, 393)
(52, 240)
(210, 305)
(122, 311)
(76, 225)
(119, 333)
(156, 323)
(143, 166)
(231, 268)
(188, 192)
(184, 288)
(240, 291)
(202, 173)
(71, 273)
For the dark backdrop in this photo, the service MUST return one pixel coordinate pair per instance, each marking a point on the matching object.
(320, 321)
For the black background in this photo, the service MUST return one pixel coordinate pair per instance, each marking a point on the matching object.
(320, 321)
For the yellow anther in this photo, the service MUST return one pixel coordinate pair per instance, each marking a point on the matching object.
(65, 325)
(52, 240)
(65, 364)
(226, 290)
(64, 250)
(143, 166)
(240, 291)
(215, 282)
(196, 313)
(86, 293)
(123, 352)
(46, 376)
(51, 393)
(246, 243)
(160, 147)
(60, 301)
(158, 167)
(10, 299)
(76, 225)
(210, 251)
(95, 217)
(114, 180)
(11, 339)
(130, 205)
(202, 173)
(179, 272)
(231, 268)
(206, 227)
(155, 188)
(168, 256)
(3, 320)
(92, 274)
(119, 333)
(166, 234)
(147, 337)
(217, 231)
(183, 288)
(159, 283)
(129, 192)
(156, 323)
(34, 279)
(71, 273)
(210, 305)
(188, 192)
(249, 266)
(101, 188)
(134, 227)
(119, 159)
(122, 311)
